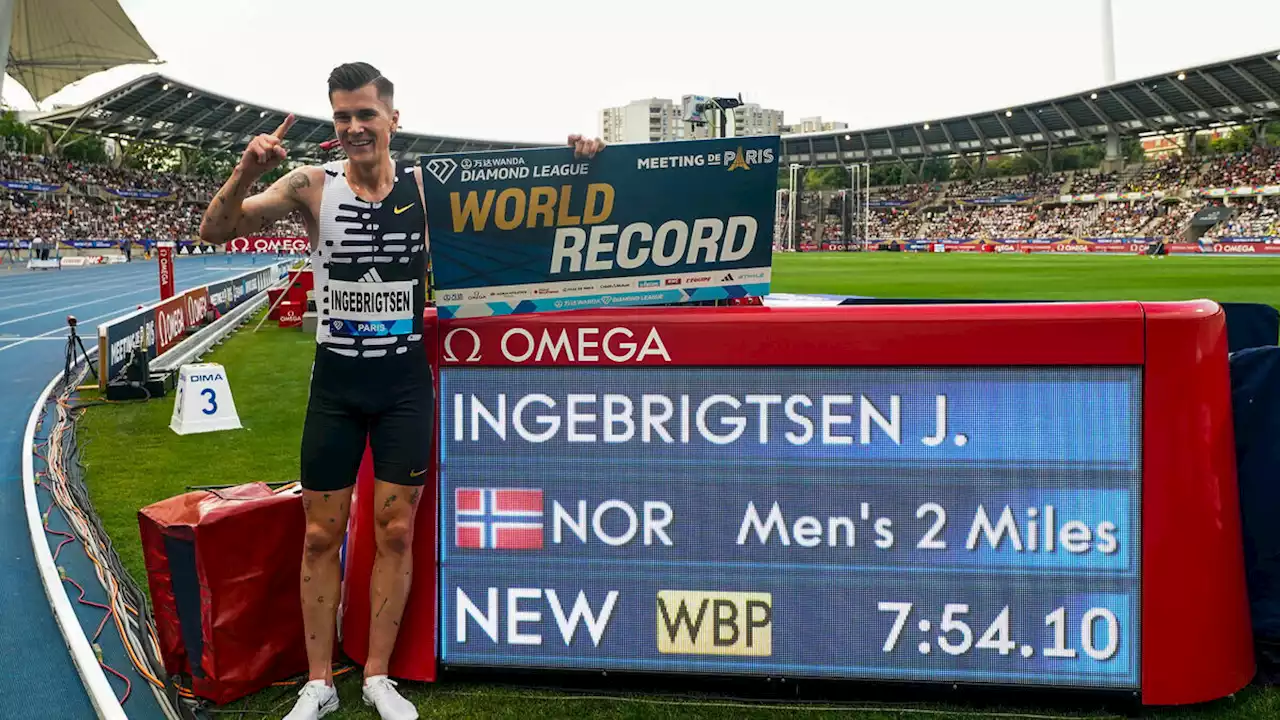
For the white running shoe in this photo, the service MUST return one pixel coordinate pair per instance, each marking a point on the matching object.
(380, 692)
(315, 700)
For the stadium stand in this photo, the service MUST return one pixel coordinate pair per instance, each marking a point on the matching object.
(1094, 182)
(1231, 92)
(1256, 218)
(904, 193)
(1171, 218)
(1149, 200)
(161, 109)
(1140, 201)
(92, 202)
(50, 198)
(1260, 166)
(1004, 187)
(62, 201)
(55, 199)
(1169, 174)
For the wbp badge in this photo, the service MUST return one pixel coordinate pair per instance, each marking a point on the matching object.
(692, 622)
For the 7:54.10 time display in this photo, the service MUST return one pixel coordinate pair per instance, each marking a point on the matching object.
(1093, 632)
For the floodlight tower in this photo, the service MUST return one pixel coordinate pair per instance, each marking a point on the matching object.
(720, 104)
(1108, 44)
(1109, 78)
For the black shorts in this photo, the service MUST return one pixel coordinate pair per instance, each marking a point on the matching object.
(390, 401)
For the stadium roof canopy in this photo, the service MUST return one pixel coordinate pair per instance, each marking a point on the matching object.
(160, 109)
(53, 43)
(1232, 92)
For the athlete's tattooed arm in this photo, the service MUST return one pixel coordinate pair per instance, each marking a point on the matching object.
(297, 181)
(234, 212)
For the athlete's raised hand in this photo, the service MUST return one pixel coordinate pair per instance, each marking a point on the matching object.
(265, 152)
(584, 147)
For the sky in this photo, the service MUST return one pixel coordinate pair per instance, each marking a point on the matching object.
(537, 70)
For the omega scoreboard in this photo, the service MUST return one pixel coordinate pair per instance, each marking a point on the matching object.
(1033, 495)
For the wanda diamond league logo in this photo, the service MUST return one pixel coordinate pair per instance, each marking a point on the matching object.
(442, 168)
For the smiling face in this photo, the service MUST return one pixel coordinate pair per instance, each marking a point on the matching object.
(363, 122)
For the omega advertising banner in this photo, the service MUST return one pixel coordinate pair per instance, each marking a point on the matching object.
(255, 244)
(520, 231)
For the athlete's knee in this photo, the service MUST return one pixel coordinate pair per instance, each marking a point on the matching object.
(321, 540)
(396, 533)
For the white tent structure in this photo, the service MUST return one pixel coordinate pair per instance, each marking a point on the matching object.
(49, 44)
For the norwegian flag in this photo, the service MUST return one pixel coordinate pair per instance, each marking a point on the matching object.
(497, 518)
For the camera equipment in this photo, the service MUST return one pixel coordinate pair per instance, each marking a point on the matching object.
(74, 341)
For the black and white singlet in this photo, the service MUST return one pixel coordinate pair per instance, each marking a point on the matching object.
(370, 266)
(371, 381)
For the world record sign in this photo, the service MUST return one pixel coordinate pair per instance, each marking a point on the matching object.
(520, 231)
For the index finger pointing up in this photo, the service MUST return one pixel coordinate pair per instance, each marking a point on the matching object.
(284, 126)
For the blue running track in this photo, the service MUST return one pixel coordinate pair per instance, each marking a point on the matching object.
(37, 677)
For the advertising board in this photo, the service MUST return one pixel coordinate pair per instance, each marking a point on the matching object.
(272, 245)
(159, 326)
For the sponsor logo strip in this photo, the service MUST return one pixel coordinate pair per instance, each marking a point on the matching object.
(659, 296)
(746, 277)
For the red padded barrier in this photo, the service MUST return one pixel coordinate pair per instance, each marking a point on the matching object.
(224, 566)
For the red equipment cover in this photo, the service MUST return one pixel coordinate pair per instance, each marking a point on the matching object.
(290, 314)
(223, 570)
(301, 283)
(273, 295)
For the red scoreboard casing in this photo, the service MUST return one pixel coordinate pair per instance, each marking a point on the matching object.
(1195, 643)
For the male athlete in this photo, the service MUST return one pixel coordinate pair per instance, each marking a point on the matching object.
(371, 378)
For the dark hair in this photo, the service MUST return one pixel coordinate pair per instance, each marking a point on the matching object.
(353, 76)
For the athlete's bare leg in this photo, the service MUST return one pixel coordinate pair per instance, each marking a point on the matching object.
(394, 508)
(321, 581)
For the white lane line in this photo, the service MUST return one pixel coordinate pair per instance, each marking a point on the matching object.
(95, 301)
(61, 328)
(7, 338)
(53, 288)
(41, 280)
(44, 335)
(62, 294)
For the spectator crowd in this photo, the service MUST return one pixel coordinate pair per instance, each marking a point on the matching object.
(88, 205)
(1259, 218)
(1024, 186)
(52, 171)
(1260, 166)
(82, 211)
(1032, 207)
